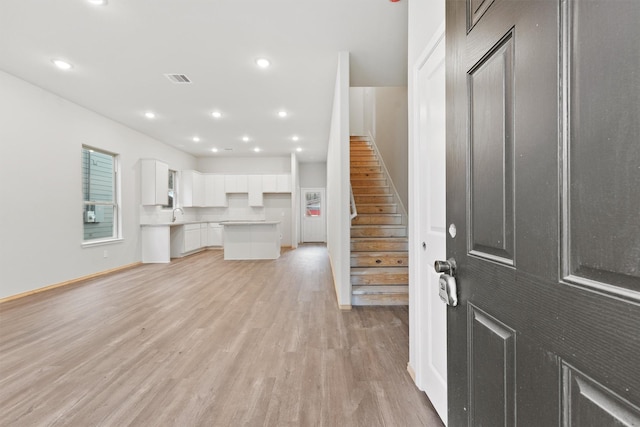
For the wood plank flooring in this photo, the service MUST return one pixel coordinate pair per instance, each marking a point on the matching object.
(207, 342)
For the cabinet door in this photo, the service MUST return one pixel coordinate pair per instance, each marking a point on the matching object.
(230, 184)
(242, 183)
(284, 183)
(255, 190)
(215, 195)
(191, 237)
(186, 188)
(204, 238)
(269, 184)
(154, 177)
(219, 196)
(198, 189)
(215, 235)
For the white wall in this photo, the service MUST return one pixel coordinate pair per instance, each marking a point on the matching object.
(382, 113)
(40, 166)
(295, 201)
(425, 17)
(338, 185)
(313, 175)
(356, 111)
(244, 165)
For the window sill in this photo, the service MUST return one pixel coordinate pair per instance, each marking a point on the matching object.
(101, 242)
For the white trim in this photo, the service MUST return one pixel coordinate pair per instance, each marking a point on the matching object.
(101, 242)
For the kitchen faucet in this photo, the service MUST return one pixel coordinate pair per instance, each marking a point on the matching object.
(173, 219)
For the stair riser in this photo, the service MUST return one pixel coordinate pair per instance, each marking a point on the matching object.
(365, 163)
(364, 209)
(376, 231)
(384, 299)
(364, 191)
(376, 220)
(372, 200)
(381, 279)
(366, 175)
(370, 182)
(364, 260)
(379, 246)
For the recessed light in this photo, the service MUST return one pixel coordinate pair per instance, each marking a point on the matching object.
(150, 115)
(215, 150)
(63, 65)
(295, 137)
(245, 138)
(282, 113)
(196, 139)
(257, 149)
(216, 114)
(298, 149)
(263, 62)
(98, 2)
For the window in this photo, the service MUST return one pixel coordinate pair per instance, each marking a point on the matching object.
(100, 211)
(172, 191)
(312, 205)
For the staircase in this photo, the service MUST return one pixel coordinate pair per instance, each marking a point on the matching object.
(379, 246)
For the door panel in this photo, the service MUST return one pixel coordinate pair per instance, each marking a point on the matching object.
(492, 370)
(603, 243)
(586, 402)
(491, 154)
(543, 156)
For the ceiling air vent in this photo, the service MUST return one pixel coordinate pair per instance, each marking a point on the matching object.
(178, 78)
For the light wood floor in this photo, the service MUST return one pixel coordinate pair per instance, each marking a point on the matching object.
(207, 342)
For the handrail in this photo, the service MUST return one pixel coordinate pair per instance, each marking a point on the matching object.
(354, 209)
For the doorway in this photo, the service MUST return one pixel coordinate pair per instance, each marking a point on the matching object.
(428, 238)
(314, 227)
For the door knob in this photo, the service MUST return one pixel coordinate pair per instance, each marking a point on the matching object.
(447, 286)
(445, 266)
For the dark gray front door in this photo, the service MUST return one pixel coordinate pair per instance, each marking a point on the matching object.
(543, 186)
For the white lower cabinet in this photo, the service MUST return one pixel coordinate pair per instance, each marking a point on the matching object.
(184, 239)
(214, 237)
(204, 238)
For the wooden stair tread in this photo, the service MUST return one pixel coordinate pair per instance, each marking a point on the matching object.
(390, 289)
(379, 243)
(364, 271)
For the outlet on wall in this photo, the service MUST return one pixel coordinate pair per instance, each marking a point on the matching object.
(105, 254)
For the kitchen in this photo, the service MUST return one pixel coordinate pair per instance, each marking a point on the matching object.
(248, 215)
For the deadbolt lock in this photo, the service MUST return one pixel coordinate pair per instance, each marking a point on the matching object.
(447, 286)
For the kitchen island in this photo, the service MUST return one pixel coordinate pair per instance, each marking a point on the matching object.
(251, 240)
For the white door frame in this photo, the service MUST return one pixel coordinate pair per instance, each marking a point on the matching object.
(323, 212)
(421, 275)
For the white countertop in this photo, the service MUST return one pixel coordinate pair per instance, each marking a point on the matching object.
(227, 222)
(165, 224)
(248, 222)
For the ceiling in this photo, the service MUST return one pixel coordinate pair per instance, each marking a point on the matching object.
(121, 51)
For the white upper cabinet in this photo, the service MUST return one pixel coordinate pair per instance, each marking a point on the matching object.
(154, 177)
(269, 183)
(215, 195)
(284, 183)
(236, 184)
(276, 183)
(192, 192)
(255, 190)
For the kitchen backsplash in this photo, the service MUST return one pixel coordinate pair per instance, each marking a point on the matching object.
(238, 209)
